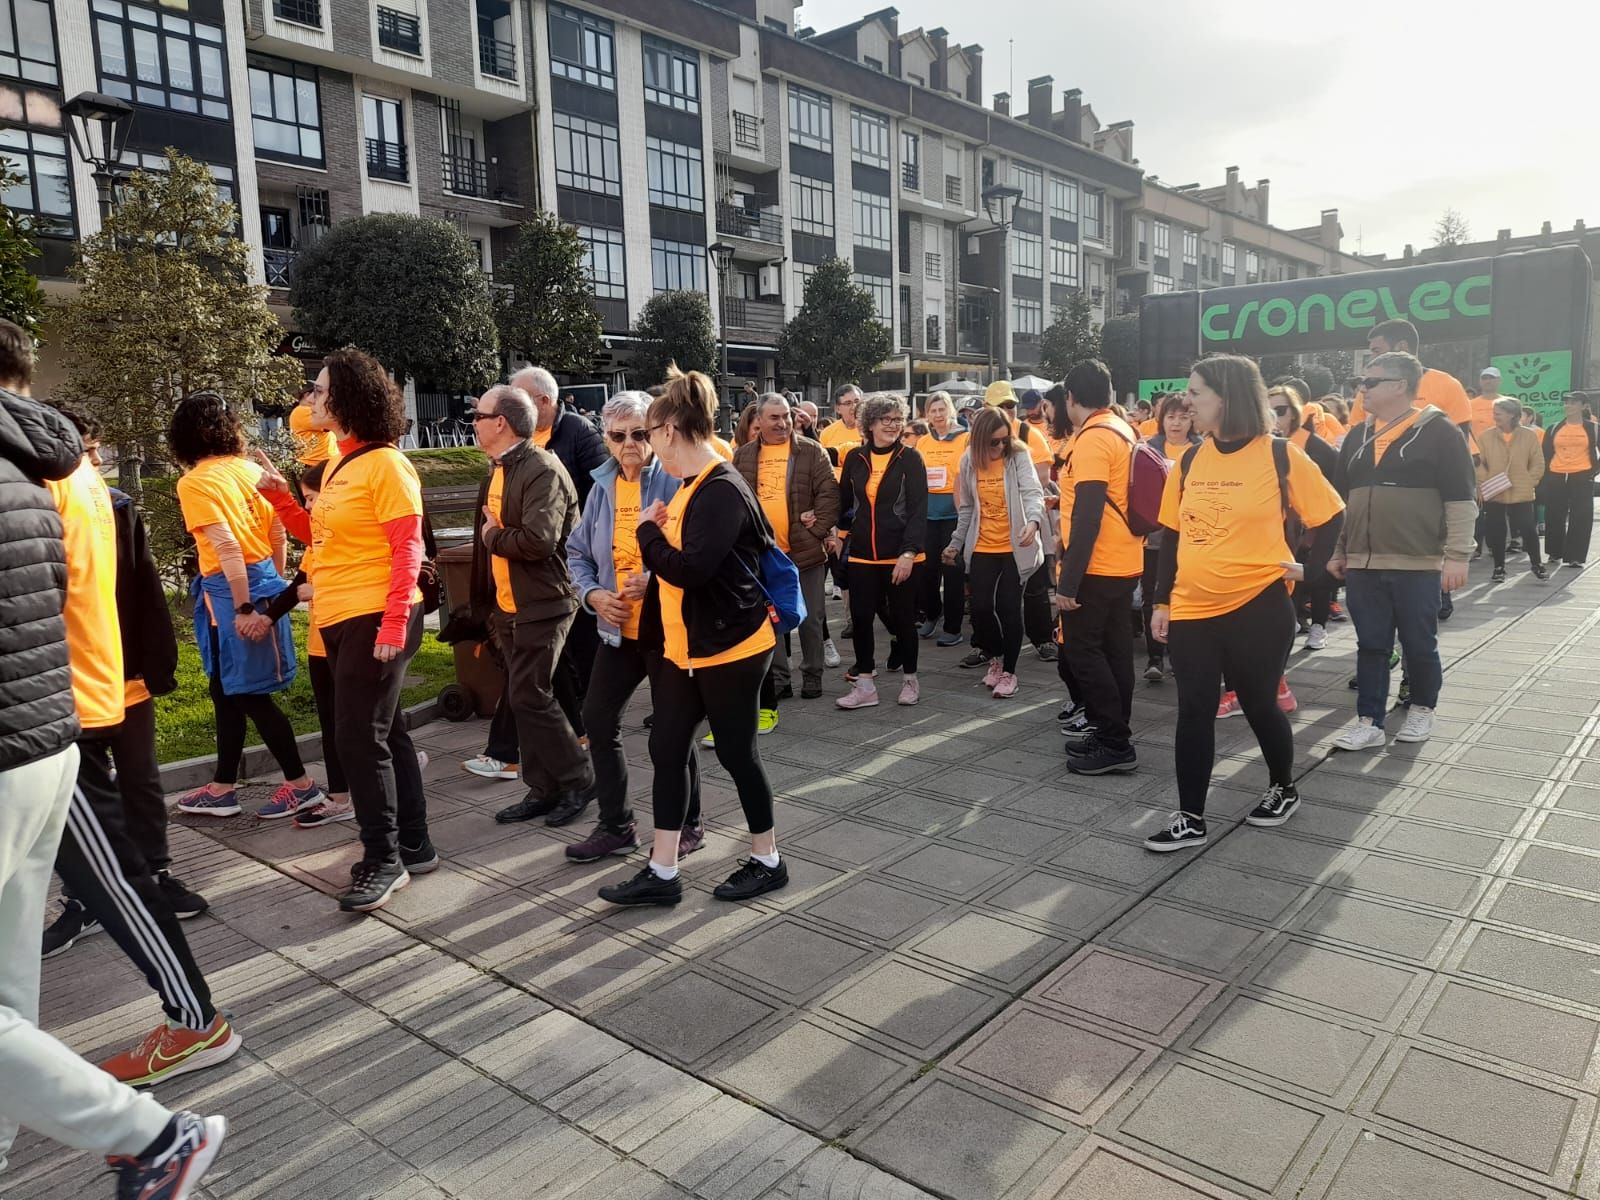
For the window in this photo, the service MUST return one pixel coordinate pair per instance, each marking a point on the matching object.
(1191, 248)
(810, 119)
(677, 175)
(873, 217)
(1064, 263)
(27, 41)
(932, 266)
(399, 31)
(934, 319)
(802, 275)
(1031, 182)
(582, 48)
(869, 138)
(1162, 284)
(882, 294)
(45, 189)
(1094, 208)
(1027, 318)
(671, 75)
(1252, 267)
(1163, 240)
(1064, 199)
(386, 138)
(588, 155)
(875, 63)
(677, 266)
(161, 59)
(284, 109)
(1230, 262)
(986, 173)
(905, 316)
(910, 161)
(812, 203)
(605, 261)
(1142, 235)
(1027, 253)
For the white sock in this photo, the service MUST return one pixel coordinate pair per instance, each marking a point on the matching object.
(769, 861)
(661, 872)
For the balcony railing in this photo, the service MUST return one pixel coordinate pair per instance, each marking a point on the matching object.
(301, 12)
(746, 131)
(760, 224)
(497, 58)
(952, 188)
(911, 176)
(399, 31)
(387, 160)
(465, 175)
(755, 316)
(278, 264)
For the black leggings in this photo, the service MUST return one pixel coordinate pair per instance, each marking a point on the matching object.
(1147, 593)
(727, 696)
(872, 594)
(997, 606)
(1519, 517)
(322, 691)
(618, 672)
(1248, 646)
(233, 712)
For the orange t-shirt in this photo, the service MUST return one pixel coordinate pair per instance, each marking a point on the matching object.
(311, 445)
(351, 565)
(222, 491)
(842, 438)
(674, 633)
(1571, 455)
(541, 437)
(1230, 518)
(625, 558)
(1103, 458)
(994, 514)
(1385, 437)
(772, 489)
(1438, 388)
(1482, 415)
(1029, 435)
(724, 451)
(1148, 429)
(500, 568)
(134, 692)
(943, 461)
(94, 636)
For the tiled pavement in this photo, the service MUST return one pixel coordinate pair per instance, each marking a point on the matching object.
(978, 984)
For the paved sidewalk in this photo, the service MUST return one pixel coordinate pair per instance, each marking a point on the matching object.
(978, 984)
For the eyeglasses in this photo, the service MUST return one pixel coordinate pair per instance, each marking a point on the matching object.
(1372, 382)
(618, 436)
(482, 416)
(891, 421)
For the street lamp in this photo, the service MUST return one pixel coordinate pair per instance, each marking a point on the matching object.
(999, 205)
(721, 256)
(99, 125)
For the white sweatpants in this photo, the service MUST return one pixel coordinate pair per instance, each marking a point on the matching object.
(44, 1085)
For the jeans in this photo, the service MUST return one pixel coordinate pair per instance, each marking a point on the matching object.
(997, 607)
(1496, 517)
(555, 762)
(813, 586)
(1383, 604)
(232, 712)
(1568, 516)
(942, 585)
(1099, 645)
(871, 590)
(618, 672)
(726, 696)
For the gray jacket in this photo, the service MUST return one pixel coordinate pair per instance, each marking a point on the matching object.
(1024, 503)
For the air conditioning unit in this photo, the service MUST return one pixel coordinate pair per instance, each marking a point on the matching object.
(769, 280)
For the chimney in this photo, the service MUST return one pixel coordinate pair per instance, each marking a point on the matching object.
(1039, 95)
(1579, 226)
(975, 76)
(1409, 254)
(1263, 192)
(1002, 103)
(1503, 236)
(939, 72)
(1072, 114)
(1233, 176)
(1332, 235)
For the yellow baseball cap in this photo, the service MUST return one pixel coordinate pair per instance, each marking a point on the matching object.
(999, 392)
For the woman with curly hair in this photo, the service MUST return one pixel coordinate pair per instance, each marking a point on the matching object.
(365, 532)
(247, 656)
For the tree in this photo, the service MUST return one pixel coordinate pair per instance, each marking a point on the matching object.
(837, 334)
(21, 300)
(674, 327)
(1071, 338)
(543, 300)
(1119, 349)
(1451, 229)
(408, 290)
(166, 308)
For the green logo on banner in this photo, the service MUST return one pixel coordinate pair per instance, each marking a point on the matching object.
(1149, 387)
(1540, 380)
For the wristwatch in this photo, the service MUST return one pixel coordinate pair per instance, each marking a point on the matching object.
(246, 609)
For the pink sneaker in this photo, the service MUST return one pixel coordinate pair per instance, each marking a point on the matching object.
(863, 693)
(1005, 686)
(910, 691)
(992, 675)
(1286, 700)
(1229, 706)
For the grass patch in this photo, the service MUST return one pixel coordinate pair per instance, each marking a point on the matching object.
(186, 726)
(449, 466)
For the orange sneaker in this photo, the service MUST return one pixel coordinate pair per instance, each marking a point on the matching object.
(169, 1050)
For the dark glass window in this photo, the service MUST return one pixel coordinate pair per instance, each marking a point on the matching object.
(671, 75)
(386, 139)
(28, 42)
(45, 190)
(582, 48)
(284, 109)
(161, 59)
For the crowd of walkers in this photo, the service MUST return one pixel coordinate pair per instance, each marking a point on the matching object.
(1217, 526)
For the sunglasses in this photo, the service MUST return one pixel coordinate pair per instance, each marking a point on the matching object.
(999, 443)
(482, 416)
(1374, 381)
(618, 436)
(1284, 411)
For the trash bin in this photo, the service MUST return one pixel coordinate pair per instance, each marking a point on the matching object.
(479, 676)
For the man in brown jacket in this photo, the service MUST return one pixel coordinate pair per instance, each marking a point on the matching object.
(792, 477)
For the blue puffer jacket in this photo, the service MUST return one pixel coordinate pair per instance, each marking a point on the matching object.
(246, 668)
(589, 545)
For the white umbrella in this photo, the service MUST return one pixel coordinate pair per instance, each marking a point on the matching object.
(1025, 382)
(958, 387)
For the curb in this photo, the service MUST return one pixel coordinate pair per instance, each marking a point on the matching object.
(190, 773)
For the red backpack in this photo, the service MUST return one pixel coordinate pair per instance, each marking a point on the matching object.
(1147, 483)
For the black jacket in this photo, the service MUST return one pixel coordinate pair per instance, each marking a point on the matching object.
(898, 521)
(149, 644)
(37, 718)
(1324, 456)
(718, 568)
(580, 449)
(538, 508)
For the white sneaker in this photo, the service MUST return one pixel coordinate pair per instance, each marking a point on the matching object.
(485, 767)
(830, 654)
(1418, 726)
(1363, 735)
(1317, 639)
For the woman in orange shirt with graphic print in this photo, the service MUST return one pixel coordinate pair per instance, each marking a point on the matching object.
(705, 610)
(365, 532)
(1222, 605)
(1571, 458)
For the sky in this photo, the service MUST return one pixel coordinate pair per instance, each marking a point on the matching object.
(1390, 112)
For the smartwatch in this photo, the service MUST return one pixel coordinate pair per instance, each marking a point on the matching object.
(246, 609)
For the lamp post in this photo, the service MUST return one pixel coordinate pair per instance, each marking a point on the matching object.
(721, 256)
(999, 205)
(99, 126)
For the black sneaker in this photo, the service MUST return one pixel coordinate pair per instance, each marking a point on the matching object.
(186, 905)
(1277, 806)
(1074, 719)
(1499, 575)
(530, 806)
(1047, 651)
(73, 923)
(976, 659)
(1094, 757)
(1447, 607)
(811, 687)
(606, 840)
(1078, 739)
(1184, 831)
(786, 692)
(189, 1145)
(645, 888)
(419, 860)
(1539, 572)
(1154, 672)
(371, 885)
(753, 879)
(570, 806)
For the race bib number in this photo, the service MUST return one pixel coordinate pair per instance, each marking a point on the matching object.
(938, 477)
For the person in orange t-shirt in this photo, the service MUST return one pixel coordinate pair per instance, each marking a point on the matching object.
(311, 445)
(1571, 456)
(1438, 388)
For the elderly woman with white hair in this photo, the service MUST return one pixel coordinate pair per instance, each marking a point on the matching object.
(603, 556)
(1510, 465)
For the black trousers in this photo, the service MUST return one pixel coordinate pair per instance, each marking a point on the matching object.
(1147, 592)
(373, 743)
(727, 697)
(1519, 517)
(941, 586)
(1248, 646)
(555, 762)
(104, 870)
(1037, 620)
(997, 607)
(322, 691)
(144, 806)
(872, 592)
(1568, 516)
(232, 712)
(575, 666)
(1099, 646)
(618, 672)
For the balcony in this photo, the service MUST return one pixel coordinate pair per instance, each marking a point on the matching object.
(387, 160)
(911, 176)
(464, 175)
(757, 224)
(278, 263)
(497, 58)
(301, 12)
(760, 319)
(952, 189)
(399, 31)
(746, 131)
